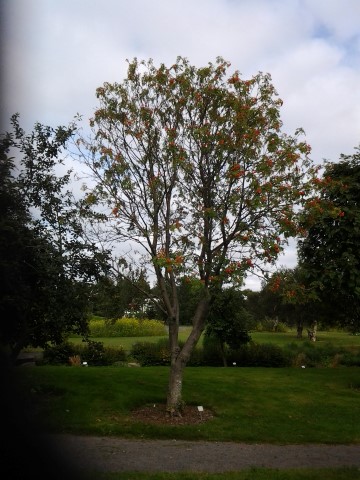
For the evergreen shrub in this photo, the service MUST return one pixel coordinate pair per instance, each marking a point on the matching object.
(311, 354)
(259, 355)
(151, 354)
(350, 359)
(271, 325)
(58, 354)
(94, 353)
(251, 355)
(211, 352)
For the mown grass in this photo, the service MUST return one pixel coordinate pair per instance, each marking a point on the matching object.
(287, 405)
(338, 338)
(125, 342)
(255, 405)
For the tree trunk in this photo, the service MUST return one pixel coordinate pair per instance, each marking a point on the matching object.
(299, 329)
(276, 323)
(174, 404)
(180, 357)
(314, 331)
(223, 354)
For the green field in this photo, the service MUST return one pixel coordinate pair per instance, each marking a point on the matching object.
(337, 338)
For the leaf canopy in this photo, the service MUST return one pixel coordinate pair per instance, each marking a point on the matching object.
(192, 164)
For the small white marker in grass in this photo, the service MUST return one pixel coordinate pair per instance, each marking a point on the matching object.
(200, 408)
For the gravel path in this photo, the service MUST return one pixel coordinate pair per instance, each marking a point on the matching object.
(120, 455)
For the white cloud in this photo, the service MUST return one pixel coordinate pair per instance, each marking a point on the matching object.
(56, 53)
(340, 19)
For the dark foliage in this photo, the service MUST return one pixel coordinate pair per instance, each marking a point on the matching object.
(330, 254)
(45, 258)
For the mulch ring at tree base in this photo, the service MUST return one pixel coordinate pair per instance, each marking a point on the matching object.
(156, 414)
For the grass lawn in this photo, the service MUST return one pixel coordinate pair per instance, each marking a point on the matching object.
(337, 338)
(127, 342)
(285, 405)
(253, 405)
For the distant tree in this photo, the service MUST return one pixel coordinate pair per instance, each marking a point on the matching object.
(190, 292)
(330, 253)
(228, 320)
(297, 301)
(44, 256)
(113, 298)
(263, 304)
(196, 179)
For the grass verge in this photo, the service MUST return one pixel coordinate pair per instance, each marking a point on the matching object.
(286, 405)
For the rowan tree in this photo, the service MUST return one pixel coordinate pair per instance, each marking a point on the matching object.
(196, 179)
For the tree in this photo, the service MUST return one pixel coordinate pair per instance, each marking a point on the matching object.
(330, 252)
(297, 300)
(263, 304)
(113, 298)
(44, 256)
(228, 320)
(196, 179)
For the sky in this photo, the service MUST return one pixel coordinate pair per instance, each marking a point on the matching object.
(55, 53)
